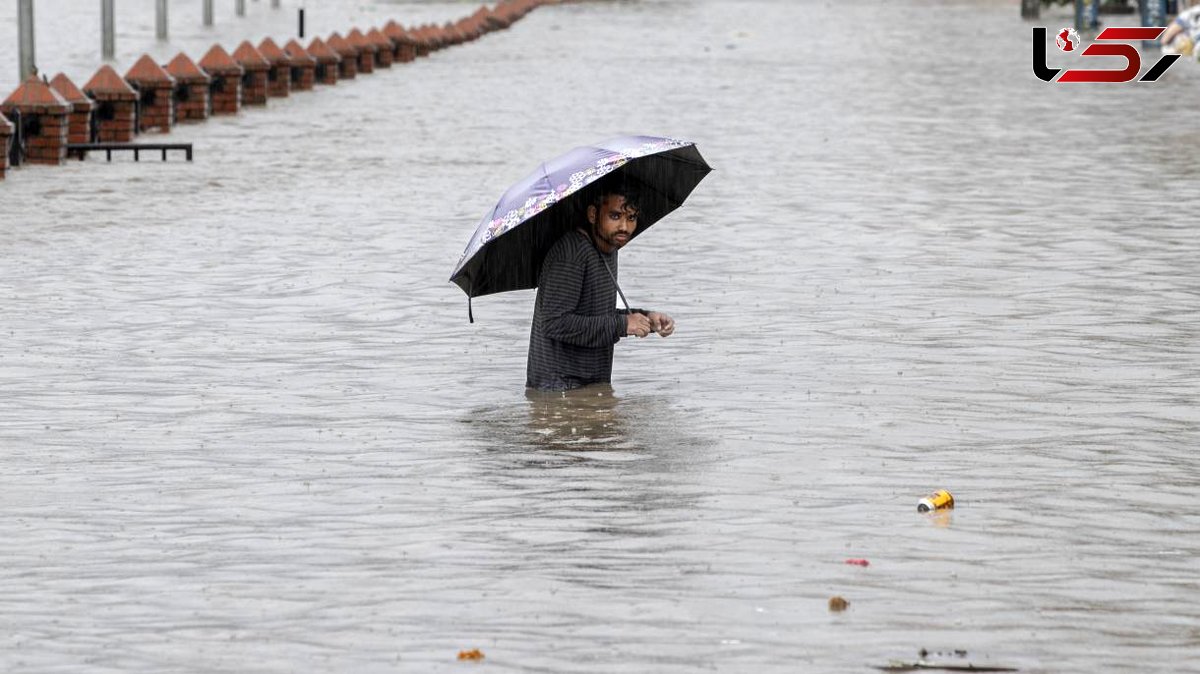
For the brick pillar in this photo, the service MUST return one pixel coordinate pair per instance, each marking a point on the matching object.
(156, 93)
(79, 122)
(190, 96)
(225, 93)
(196, 100)
(158, 107)
(348, 66)
(493, 21)
(255, 73)
(49, 145)
(500, 18)
(328, 61)
(383, 48)
(225, 88)
(254, 85)
(424, 42)
(303, 68)
(455, 33)
(114, 118)
(404, 49)
(439, 37)
(116, 102)
(43, 120)
(469, 29)
(79, 125)
(474, 24)
(279, 77)
(366, 51)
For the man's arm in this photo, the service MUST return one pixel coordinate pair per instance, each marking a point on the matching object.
(562, 284)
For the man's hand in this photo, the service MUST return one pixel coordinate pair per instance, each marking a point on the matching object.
(663, 324)
(637, 325)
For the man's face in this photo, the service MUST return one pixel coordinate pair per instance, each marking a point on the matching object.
(613, 222)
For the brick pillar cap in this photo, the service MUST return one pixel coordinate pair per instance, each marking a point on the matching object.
(107, 83)
(185, 70)
(272, 53)
(218, 62)
(397, 33)
(357, 39)
(340, 45)
(298, 54)
(250, 58)
(71, 93)
(145, 72)
(322, 51)
(379, 39)
(36, 96)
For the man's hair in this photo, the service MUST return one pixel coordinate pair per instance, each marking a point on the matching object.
(616, 188)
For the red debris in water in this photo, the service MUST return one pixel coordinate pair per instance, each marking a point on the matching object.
(858, 562)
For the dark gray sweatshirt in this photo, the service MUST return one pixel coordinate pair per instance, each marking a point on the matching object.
(575, 322)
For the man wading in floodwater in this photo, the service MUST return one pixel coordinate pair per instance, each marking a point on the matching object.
(575, 322)
(558, 229)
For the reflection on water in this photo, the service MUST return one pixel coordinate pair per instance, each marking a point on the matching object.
(590, 423)
(588, 418)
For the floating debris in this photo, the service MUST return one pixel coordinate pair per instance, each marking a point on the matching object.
(938, 500)
(858, 562)
(956, 653)
(901, 666)
(474, 655)
(936, 660)
(837, 604)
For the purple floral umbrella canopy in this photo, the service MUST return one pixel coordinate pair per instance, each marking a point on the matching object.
(508, 246)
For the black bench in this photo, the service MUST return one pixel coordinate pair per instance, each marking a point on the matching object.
(81, 149)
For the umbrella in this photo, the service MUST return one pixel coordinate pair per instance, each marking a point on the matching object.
(510, 243)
